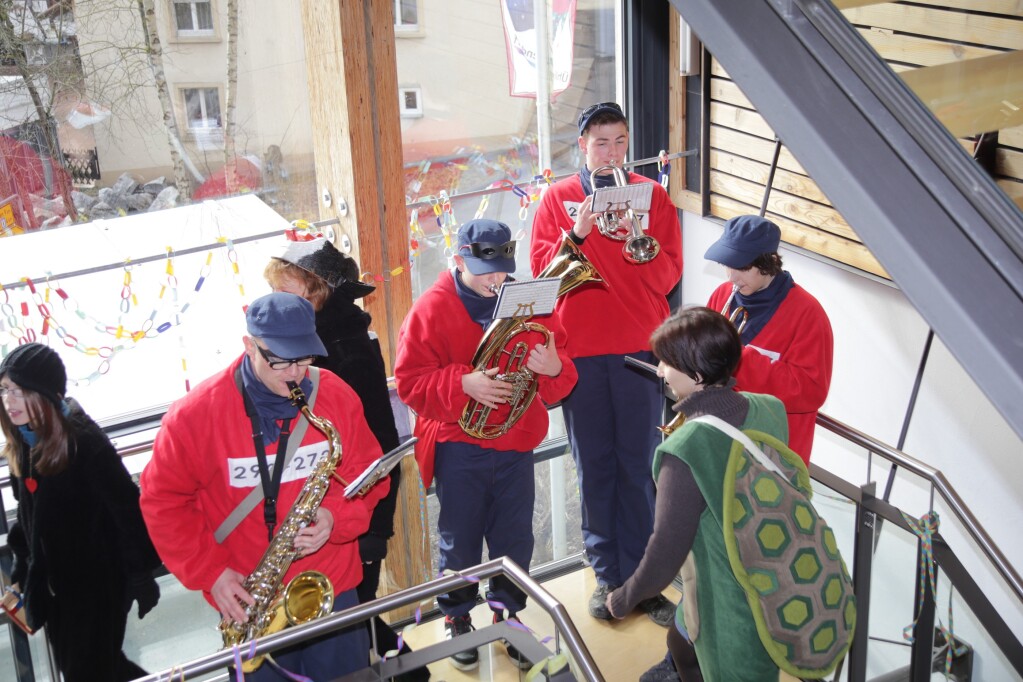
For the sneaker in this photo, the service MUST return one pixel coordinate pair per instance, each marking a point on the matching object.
(514, 654)
(660, 609)
(662, 672)
(460, 625)
(598, 601)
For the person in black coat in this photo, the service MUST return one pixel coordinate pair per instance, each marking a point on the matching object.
(329, 280)
(82, 554)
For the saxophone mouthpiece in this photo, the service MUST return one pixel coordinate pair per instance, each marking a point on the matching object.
(297, 397)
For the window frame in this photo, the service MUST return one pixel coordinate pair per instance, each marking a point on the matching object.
(175, 34)
(404, 111)
(402, 30)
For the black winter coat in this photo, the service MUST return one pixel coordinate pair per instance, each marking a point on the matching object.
(356, 358)
(78, 541)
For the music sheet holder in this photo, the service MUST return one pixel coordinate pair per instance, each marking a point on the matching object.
(636, 196)
(527, 298)
(378, 469)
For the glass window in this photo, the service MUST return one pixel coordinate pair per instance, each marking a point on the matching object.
(411, 102)
(480, 128)
(193, 18)
(406, 15)
(202, 107)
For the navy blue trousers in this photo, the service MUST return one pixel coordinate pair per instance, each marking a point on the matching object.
(325, 658)
(612, 416)
(484, 494)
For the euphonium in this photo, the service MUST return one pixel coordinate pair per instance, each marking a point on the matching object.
(500, 347)
(307, 596)
(639, 246)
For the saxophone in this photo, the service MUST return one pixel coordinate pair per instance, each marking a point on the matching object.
(307, 596)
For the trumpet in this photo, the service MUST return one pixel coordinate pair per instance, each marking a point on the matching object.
(639, 247)
(739, 316)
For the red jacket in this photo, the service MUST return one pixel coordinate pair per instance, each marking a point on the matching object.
(204, 464)
(619, 316)
(435, 348)
(798, 335)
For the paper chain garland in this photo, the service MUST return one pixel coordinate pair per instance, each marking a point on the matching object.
(22, 331)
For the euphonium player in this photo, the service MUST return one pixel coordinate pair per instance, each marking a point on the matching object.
(219, 443)
(614, 410)
(485, 487)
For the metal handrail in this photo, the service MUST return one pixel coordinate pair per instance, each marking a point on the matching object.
(941, 484)
(585, 665)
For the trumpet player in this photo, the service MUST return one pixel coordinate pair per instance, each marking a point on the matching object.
(787, 344)
(612, 414)
(219, 446)
(485, 486)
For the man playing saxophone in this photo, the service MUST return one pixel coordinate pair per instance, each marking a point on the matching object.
(484, 486)
(214, 500)
(612, 414)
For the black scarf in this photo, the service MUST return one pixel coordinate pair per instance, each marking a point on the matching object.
(602, 180)
(270, 406)
(760, 306)
(480, 308)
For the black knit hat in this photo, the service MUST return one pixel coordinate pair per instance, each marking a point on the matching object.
(321, 257)
(37, 368)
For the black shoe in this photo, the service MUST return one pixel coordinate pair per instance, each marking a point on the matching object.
(662, 672)
(598, 601)
(460, 625)
(514, 654)
(660, 609)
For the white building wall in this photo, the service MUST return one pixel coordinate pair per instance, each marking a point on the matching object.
(272, 96)
(458, 58)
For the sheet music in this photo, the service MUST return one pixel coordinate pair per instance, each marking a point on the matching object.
(527, 298)
(378, 469)
(636, 196)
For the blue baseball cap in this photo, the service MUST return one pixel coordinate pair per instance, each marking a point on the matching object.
(589, 112)
(746, 238)
(287, 325)
(487, 246)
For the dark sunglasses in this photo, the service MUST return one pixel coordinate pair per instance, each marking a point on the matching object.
(490, 250)
(280, 363)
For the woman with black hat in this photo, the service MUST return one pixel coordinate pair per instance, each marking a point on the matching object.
(327, 278)
(81, 551)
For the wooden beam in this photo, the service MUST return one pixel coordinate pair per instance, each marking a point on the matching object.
(920, 51)
(975, 96)
(1011, 137)
(754, 171)
(353, 86)
(353, 90)
(1003, 32)
(752, 147)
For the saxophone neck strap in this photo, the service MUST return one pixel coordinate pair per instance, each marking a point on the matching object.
(288, 443)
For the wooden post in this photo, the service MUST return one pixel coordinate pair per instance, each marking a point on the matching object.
(353, 91)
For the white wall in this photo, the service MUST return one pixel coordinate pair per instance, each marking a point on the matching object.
(879, 339)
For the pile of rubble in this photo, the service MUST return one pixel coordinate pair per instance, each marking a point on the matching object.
(125, 197)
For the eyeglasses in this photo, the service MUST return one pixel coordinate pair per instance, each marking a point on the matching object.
(280, 363)
(490, 250)
(13, 392)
